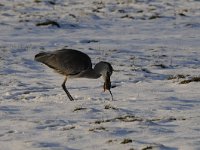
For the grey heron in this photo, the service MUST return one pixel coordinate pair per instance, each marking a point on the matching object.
(76, 64)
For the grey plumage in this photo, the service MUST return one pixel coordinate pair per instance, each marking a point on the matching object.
(75, 64)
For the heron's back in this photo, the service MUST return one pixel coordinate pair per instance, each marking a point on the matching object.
(65, 61)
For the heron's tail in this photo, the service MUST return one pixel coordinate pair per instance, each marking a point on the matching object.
(41, 57)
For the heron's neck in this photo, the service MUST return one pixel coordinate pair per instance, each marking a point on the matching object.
(89, 74)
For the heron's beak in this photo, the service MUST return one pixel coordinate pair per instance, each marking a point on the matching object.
(107, 85)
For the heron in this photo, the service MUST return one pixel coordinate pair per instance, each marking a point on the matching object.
(76, 64)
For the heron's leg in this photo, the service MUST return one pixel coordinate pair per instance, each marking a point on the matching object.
(66, 91)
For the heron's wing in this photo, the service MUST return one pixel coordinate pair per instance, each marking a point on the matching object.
(66, 61)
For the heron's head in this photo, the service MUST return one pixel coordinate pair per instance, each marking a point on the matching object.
(105, 69)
